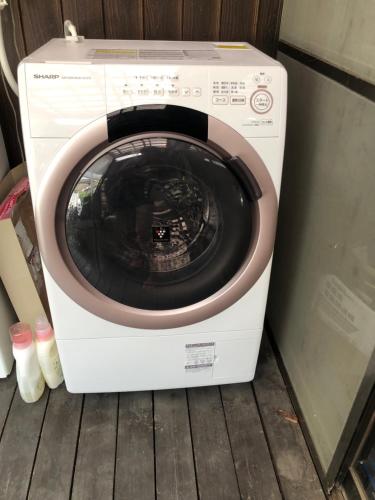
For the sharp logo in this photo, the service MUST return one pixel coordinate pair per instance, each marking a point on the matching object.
(47, 77)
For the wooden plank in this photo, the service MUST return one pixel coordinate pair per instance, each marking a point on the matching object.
(163, 19)
(123, 19)
(7, 390)
(135, 447)
(13, 36)
(294, 468)
(268, 25)
(53, 470)
(15, 49)
(215, 470)
(201, 20)
(8, 121)
(41, 21)
(239, 20)
(337, 493)
(87, 15)
(175, 475)
(16, 45)
(95, 464)
(18, 446)
(255, 472)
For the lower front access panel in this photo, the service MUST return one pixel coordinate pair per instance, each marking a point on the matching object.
(165, 362)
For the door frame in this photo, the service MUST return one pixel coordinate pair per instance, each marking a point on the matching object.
(78, 154)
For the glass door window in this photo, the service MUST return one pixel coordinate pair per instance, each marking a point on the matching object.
(158, 223)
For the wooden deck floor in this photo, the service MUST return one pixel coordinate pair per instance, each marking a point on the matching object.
(212, 443)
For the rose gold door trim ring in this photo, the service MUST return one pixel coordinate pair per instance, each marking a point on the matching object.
(76, 156)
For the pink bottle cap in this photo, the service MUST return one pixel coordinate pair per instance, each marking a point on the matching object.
(43, 329)
(21, 335)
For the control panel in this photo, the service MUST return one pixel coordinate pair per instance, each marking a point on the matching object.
(249, 99)
(236, 93)
(150, 82)
(244, 97)
(157, 85)
(64, 98)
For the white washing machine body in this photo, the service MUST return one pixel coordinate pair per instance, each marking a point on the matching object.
(155, 171)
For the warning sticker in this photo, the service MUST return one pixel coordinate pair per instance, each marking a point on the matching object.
(200, 355)
(113, 54)
(232, 46)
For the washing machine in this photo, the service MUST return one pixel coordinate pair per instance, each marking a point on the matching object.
(155, 170)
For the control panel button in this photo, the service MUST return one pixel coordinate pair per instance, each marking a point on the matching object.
(256, 78)
(173, 92)
(197, 91)
(159, 92)
(220, 99)
(185, 92)
(127, 91)
(143, 92)
(267, 79)
(238, 99)
(261, 101)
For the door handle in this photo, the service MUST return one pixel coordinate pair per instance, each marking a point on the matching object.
(245, 176)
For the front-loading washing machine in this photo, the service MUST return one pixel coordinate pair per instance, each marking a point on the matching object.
(155, 169)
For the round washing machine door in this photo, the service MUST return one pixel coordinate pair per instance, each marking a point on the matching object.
(156, 217)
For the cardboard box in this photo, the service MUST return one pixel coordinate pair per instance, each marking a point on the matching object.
(7, 318)
(20, 264)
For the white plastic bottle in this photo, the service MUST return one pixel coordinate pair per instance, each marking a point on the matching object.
(48, 355)
(29, 375)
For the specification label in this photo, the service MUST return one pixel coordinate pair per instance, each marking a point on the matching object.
(200, 355)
